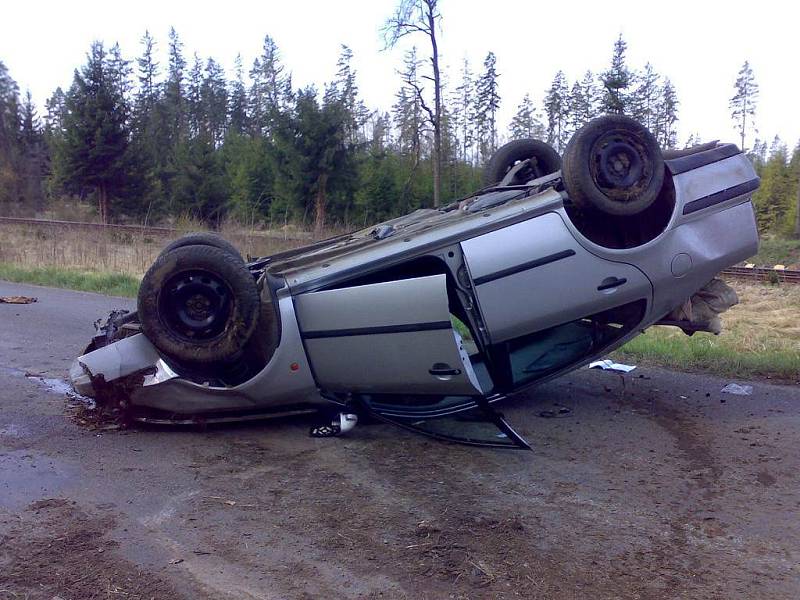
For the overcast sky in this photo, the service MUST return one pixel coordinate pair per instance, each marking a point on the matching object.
(700, 45)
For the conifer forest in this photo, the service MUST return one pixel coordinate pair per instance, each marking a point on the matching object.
(145, 142)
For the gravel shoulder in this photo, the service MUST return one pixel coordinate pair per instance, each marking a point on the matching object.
(655, 485)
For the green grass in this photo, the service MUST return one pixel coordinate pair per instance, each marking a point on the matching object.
(777, 251)
(712, 354)
(112, 284)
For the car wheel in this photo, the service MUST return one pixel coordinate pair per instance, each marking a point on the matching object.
(544, 160)
(613, 164)
(198, 304)
(203, 238)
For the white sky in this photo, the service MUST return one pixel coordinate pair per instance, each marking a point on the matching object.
(700, 45)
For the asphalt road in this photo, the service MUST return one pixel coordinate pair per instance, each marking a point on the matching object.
(655, 485)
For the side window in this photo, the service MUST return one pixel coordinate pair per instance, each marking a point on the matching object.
(538, 354)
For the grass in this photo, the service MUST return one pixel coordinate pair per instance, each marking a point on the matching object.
(760, 338)
(112, 284)
(777, 251)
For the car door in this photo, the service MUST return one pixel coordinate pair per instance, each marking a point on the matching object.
(534, 275)
(393, 337)
(391, 349)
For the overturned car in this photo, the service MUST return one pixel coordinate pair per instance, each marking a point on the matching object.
(429, 319)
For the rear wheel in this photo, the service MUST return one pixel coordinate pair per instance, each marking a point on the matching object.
(613, 164)
(541, 159)
(199, 304)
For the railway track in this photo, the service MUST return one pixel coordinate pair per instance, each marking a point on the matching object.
(136, 229)
(764, 274)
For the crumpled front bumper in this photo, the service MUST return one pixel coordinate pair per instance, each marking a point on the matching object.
(112, 363)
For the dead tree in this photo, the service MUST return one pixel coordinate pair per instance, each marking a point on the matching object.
(422, 16)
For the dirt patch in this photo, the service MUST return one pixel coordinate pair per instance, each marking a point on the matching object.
(57, 550)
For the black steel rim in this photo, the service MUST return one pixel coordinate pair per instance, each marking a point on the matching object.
(196, 305)
(620, 165)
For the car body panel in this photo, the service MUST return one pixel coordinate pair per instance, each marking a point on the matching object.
(386, 337)
(543, 277)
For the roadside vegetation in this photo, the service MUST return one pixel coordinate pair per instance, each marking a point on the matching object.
(760, 338)
(109, 251)
(778, 251)
(112, 284)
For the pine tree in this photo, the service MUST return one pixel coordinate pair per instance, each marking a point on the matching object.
(33, 154)
(148, 93)
(95, 110)
(666, 116)
(487, 101)
(583, 102)
(794, 166)
(344, 89)
(758, 154)
(10, 151)
(119, 76)
(525, 124)
(55, 107)
(463, 113)
(214, 102)
(556, 107)
(744, 101)
(195, 117)
(645, 97)
(616, 81)
(237, 107)
(774, 199)
(407, 109)
(174, 90)
(270, 92)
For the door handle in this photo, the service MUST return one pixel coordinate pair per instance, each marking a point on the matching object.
(444, 371)
(609, 283)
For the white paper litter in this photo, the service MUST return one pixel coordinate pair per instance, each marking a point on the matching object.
(738, 390)
(610, 365)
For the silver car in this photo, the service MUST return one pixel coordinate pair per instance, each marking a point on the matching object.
(429, 319)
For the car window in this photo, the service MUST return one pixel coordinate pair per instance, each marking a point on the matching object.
(544, 352)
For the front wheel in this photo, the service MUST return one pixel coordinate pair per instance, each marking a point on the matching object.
(199, 304)
(613, 164)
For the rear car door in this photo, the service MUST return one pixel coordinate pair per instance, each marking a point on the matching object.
(534, 275)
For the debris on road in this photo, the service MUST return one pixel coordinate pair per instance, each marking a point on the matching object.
(562, 411)
(610, 365)
(738, 390)
(18, 300)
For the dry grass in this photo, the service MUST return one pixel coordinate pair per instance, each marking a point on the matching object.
(760, 337)
(108, 251)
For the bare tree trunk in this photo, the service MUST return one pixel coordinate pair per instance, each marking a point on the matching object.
(102, 193)
(319, 205)
(437, 93)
